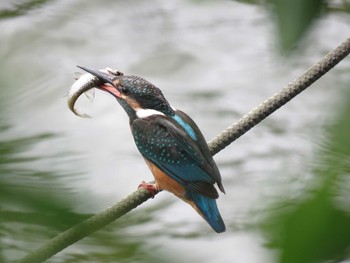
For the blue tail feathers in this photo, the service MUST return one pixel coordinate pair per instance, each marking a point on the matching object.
(209, 210)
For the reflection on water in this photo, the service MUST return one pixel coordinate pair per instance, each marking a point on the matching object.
(214, 60)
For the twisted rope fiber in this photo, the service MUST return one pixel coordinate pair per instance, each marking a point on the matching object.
(225, 138)
(276, 101)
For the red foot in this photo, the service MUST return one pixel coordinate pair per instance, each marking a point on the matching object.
(151, 188)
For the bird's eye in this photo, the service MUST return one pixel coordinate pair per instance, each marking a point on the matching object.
(124, 90)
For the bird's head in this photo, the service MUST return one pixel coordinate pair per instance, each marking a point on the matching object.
(135, 94)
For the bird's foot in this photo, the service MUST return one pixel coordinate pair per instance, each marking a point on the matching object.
(152, 188)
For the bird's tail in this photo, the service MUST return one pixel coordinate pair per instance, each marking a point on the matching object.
(208, 209)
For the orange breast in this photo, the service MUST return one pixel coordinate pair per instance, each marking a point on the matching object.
(165, 182)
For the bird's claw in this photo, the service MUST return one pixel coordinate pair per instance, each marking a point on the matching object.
(151, 188)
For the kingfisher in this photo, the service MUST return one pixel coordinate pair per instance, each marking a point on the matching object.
(170, 142)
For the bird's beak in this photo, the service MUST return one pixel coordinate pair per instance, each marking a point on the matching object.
(110, 80)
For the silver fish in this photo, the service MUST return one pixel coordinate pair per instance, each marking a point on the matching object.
(83, 84)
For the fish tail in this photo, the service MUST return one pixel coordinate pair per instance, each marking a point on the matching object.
(208, 209)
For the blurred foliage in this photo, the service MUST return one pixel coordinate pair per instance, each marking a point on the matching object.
(29, 196)
(37, 205)
(293, 18)
(316, 228)
(18, 9)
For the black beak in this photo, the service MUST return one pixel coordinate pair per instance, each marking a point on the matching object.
(105, 77)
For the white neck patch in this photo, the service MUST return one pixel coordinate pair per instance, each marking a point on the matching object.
(144, 113)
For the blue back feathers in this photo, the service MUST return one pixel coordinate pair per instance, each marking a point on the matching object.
(186, 126)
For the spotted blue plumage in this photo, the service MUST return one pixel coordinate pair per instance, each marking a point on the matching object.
(168, 147)
(165, 145)
(170, 140)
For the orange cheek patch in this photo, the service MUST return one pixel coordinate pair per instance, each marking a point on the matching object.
(133, 103)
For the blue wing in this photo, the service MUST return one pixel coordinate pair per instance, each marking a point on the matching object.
(167, 144)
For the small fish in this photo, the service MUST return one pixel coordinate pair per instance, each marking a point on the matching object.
(90, 94)
(83, 84)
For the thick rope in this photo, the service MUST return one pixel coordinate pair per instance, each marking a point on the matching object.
(225, 138)
(87, 227)
(276, 101)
